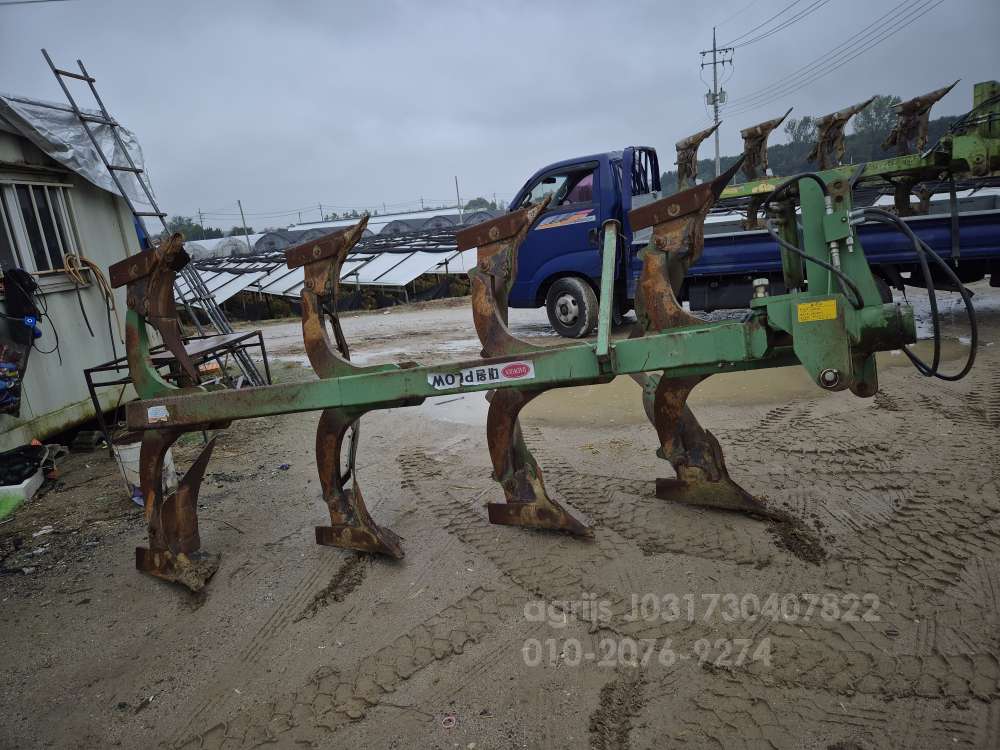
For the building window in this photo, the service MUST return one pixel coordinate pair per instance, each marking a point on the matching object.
(37, 227)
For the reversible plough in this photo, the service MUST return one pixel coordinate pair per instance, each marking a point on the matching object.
(832, 321)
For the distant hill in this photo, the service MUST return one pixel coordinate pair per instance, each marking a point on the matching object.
(864, 144)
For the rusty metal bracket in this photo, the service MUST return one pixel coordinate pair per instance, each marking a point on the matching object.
(149, 277)
(174, 551)
(351, 525)
(909, 134)
(755, 161)
(514, 467)
(755, 146)
(687, 157)
(830, 135)
(694, 452)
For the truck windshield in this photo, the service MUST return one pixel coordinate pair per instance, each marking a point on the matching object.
(574, 185)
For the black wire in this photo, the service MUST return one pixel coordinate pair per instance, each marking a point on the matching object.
(922, 249)
(844, 279)
(788, 182)
(43, 312)
(922, 367)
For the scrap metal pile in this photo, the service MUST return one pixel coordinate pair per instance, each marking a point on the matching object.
(832, 321)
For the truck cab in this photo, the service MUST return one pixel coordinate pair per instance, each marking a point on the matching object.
(559, 262)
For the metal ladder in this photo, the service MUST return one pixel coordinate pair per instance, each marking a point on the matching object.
(197, 293)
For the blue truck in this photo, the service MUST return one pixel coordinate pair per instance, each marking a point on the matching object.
(559, 263)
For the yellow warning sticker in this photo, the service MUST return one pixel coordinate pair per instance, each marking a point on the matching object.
(825, 309)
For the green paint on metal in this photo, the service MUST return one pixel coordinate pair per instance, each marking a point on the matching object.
(610, 255)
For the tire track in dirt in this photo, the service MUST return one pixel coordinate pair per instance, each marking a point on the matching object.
(331, 698)
(292, 605)
(557, 568)
(537, 561)
(630, 508)
(620, 700)
(848, 658)
(345, 580)
(282, 617)
(731, 714)
(900, 509)
(989, 733)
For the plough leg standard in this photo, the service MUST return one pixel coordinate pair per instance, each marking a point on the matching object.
(833, 326)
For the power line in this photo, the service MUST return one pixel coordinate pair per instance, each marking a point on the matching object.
(791, 5)
(837, 62)
(807, 11)
(831, 61)
(740, 12)
(821, 60)
(30, 2)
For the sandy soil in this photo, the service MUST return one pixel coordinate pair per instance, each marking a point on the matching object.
(497, 637)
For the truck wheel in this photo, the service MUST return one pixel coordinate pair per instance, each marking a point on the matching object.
(572, 307)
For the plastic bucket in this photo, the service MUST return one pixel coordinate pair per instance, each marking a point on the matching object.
(127, 455)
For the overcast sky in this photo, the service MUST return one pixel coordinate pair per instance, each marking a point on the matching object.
(286, 105)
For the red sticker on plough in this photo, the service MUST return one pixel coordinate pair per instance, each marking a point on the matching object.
(482, 375)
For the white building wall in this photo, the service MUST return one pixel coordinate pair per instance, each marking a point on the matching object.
(55, 396)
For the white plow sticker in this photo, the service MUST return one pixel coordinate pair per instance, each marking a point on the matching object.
(483, 375)
(157, 413)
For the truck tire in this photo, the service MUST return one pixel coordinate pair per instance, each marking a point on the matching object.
(572, 307)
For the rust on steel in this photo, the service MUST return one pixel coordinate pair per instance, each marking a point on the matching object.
(694, 453)
(912, 118)
(351, 525)
(687, 156)
(755, 162)
(174, 551)
(506, 227)
(150, 292)
(496, 269)
(829, 147)
(755, 146)
(514, 467)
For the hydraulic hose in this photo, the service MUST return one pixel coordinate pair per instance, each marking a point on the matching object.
(845, 281)
(923, 250)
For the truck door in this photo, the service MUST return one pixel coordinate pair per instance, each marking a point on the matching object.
(564, 240)
(640, 185)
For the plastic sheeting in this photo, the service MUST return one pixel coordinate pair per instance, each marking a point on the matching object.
(55, 129)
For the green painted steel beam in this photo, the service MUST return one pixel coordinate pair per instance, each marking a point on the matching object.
(695, 350)
(609, 256)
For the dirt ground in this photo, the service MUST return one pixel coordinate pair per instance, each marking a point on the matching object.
(497, 637)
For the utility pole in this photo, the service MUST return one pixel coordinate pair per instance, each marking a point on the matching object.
(201, 221)
(246, 236)
(458, 198)
(320, 211)
(716, 96)
(421, 203)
